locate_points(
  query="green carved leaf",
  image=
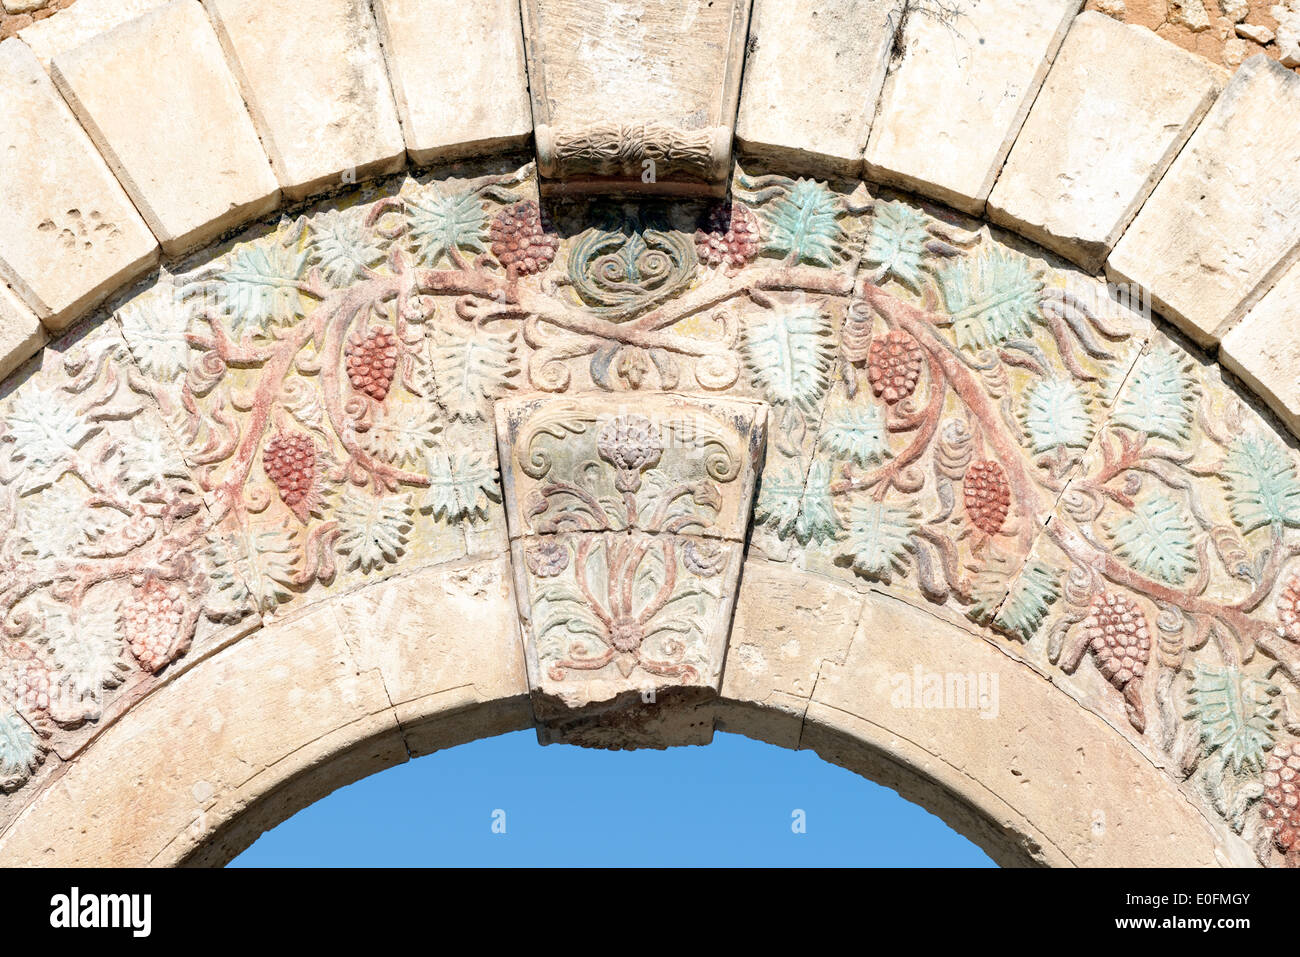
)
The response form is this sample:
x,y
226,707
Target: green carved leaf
x,y
1156,540
46,432
1158,400
260,285
793,508
897,243
20,750
1032,594
1236,713
252,567
1055,414
461,484
879,539
991,298
471,369
857,434
1261,484
343,247
801,225
154,329
441,225
788,351
373,530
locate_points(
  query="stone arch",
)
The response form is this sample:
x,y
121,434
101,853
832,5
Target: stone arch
x,y
274,516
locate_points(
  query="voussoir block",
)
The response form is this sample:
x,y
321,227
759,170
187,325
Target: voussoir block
x,y
473,97
69,235
1117,106
1264,349
313,75
158,100
1225,221
953,105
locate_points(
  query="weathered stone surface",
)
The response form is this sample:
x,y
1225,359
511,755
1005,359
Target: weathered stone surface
x,y
1097,141
1225,220
314,78
787,623
203,747
68,233
443,633
812,80
662,126
940,130
21,333
159,102
469,99
993,748
1264,349
84,20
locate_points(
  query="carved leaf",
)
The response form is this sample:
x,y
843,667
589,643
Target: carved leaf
x,y
792,508
991,298
802,225
1156,539
20,750
343,247
401,437
1158,399
471,369
260,285
1031,596
1055,415
879,539
1261,484
857,434
373,529
85,646
443,225
1236,714
788,351
251,568
154,329
47,433
461,484
897,243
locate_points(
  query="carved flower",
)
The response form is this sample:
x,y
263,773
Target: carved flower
x,y
631,444
705,559
547,559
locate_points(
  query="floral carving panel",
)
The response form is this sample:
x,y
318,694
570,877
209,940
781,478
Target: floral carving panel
x,y
627,521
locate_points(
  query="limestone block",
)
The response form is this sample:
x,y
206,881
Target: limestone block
x,y
21,333
786,624
445,639
1264,349
159,102
68,233
946,718
812,80
1225,220
1117,106
470,99
953,105
276,710
314,78
80,22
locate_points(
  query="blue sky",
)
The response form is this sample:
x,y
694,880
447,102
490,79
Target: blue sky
x,y
731,803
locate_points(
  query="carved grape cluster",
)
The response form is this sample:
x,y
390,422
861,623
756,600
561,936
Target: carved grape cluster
x,y
730,236
152,619
523,240
290,462
372,361
1288,610
1281,806
1120,640
27,682
987,496
894,366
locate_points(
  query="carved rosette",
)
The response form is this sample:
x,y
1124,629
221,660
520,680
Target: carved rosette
x,y
627,523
